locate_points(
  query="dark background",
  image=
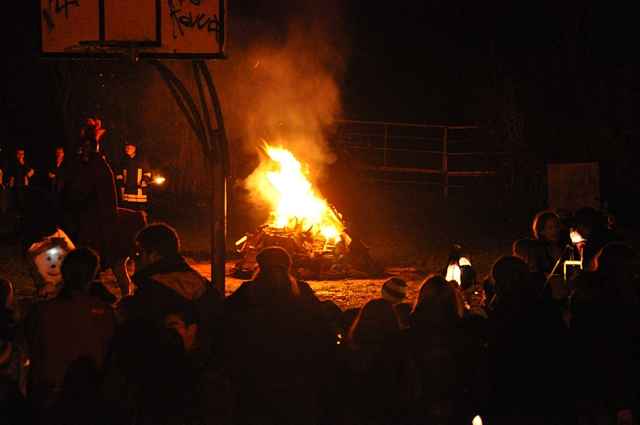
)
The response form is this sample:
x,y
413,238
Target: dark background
x,y
566,72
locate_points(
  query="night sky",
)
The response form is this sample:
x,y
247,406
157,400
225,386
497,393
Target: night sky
x,y
568,69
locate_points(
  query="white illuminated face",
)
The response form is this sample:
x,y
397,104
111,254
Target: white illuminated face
x,y
130,150
48,264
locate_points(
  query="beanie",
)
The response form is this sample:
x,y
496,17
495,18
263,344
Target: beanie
x,y
394,290
273,256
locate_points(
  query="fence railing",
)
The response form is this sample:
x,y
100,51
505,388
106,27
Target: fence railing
x,y
421,149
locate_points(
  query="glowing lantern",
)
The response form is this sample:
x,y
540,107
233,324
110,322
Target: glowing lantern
x,y
454,271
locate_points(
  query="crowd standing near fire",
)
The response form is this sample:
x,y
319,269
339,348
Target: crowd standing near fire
x,y
529,344
172,350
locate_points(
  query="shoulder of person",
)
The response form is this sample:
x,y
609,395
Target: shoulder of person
x,y
240,294
98,306
306,289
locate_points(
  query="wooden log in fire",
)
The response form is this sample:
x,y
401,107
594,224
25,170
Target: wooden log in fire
x,y
313,258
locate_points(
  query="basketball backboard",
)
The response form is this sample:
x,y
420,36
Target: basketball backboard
x,y
153,28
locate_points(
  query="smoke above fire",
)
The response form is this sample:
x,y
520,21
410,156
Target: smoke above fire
x,y
283,87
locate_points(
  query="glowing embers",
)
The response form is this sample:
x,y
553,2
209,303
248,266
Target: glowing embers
x,y
301,221
296,206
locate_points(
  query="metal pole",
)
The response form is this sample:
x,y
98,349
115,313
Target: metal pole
x,y
386,145
218,223
215,149
218,188
219,174
445,163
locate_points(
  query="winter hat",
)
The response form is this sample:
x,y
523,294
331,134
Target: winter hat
x,y
273,256
394,290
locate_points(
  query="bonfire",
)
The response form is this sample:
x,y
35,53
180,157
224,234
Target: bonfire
x,y
301,221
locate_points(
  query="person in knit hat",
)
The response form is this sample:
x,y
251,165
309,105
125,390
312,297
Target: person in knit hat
x,y
272,283
279,345
394,290
274,257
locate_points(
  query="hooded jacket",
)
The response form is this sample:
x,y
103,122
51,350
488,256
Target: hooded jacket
x,y
167,284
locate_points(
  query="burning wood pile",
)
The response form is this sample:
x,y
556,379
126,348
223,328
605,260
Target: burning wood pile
x,y
303,223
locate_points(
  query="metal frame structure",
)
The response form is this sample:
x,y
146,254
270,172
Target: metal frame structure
x,y
216,152
212,139
379,137
111,49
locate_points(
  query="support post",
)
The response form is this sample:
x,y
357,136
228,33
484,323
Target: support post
x,y
220,172
218,223
445,163
215,149
386,145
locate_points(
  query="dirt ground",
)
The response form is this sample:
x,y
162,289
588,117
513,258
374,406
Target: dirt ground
x,y
410,247
346,293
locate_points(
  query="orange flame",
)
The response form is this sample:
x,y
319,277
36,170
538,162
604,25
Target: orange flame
x,y
283,183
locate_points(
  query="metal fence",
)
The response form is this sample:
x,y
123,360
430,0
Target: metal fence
x,y
439,152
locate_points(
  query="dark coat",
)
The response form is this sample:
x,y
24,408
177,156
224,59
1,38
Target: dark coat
x,y
377,381
165,286
279,352
19,173
65,330
56,183
147,378
90,205
527,361
451,367
604,329
595,242
128,170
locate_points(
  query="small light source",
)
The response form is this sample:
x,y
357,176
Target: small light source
x,y
575,236
569,267
54,251
241,240
453,270
159,180
477,420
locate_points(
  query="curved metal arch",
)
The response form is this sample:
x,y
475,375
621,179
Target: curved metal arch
x,y
214,146
185,103
215,101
